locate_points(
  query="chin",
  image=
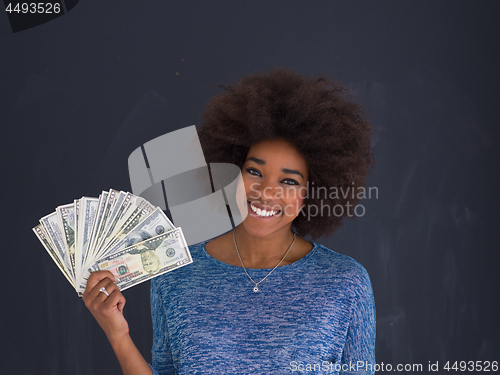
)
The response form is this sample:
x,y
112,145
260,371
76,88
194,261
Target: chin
x,y
261,230
257,231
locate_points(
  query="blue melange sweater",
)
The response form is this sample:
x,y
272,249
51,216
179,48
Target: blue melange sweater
x,y
313,316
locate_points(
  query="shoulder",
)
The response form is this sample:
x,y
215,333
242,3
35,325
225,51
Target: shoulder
x,y
353,279
189,273
341,266
197,248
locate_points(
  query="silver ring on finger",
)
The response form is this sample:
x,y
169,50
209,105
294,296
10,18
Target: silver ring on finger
x,y
103,290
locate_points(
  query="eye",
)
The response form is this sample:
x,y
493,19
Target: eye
x,y
253,171
292,182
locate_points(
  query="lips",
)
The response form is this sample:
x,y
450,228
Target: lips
x,y
263,211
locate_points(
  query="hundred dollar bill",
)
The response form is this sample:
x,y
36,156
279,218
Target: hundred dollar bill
x,y
110,220
87,257
66,218
88,213
154,224
79,222
97,236
147,259
78,225
120,210
76,205
95,226
142,209
49,246
51,225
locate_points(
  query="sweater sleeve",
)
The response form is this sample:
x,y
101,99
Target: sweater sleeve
x,y
358,356
161,353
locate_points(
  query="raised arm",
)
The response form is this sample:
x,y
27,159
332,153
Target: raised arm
x,y
108,311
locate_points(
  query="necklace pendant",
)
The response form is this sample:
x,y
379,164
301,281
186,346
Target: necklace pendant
x,y
255,288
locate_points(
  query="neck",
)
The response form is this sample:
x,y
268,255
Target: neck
x,y
263,252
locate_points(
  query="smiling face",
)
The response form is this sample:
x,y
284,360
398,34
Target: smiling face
x,y
275,178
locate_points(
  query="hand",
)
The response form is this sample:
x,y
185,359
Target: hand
x,y
108,311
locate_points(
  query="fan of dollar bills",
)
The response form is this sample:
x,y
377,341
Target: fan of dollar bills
x,y
119,232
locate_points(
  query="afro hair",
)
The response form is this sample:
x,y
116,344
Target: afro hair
x,y
316,115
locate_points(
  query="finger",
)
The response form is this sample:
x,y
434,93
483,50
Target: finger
x,y
108,285
96,295
115,300
121,303
97,276
94,279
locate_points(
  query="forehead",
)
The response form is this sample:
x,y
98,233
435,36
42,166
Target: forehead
x,y
279,151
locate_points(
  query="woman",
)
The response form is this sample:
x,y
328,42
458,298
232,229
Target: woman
x,y
261,299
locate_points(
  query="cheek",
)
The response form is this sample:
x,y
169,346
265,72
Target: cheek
x,y
298,205
293,204
251,189
294,197
300,202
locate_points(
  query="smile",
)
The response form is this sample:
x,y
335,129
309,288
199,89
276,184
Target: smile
x,y
264,213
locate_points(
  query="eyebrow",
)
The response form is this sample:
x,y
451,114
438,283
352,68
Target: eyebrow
x,y
285,170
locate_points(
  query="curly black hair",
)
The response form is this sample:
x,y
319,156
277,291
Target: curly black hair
x,y
331,132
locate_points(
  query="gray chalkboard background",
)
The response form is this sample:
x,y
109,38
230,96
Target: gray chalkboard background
x,y
79,93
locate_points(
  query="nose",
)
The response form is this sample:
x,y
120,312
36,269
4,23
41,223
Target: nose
x,y
267,191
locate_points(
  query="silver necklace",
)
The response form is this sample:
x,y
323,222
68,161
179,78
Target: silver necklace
x,y
256,287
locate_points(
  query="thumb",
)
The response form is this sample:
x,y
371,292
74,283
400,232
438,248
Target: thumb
x,y
121,304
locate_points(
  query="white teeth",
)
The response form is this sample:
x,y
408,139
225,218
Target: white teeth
x,y
263,213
